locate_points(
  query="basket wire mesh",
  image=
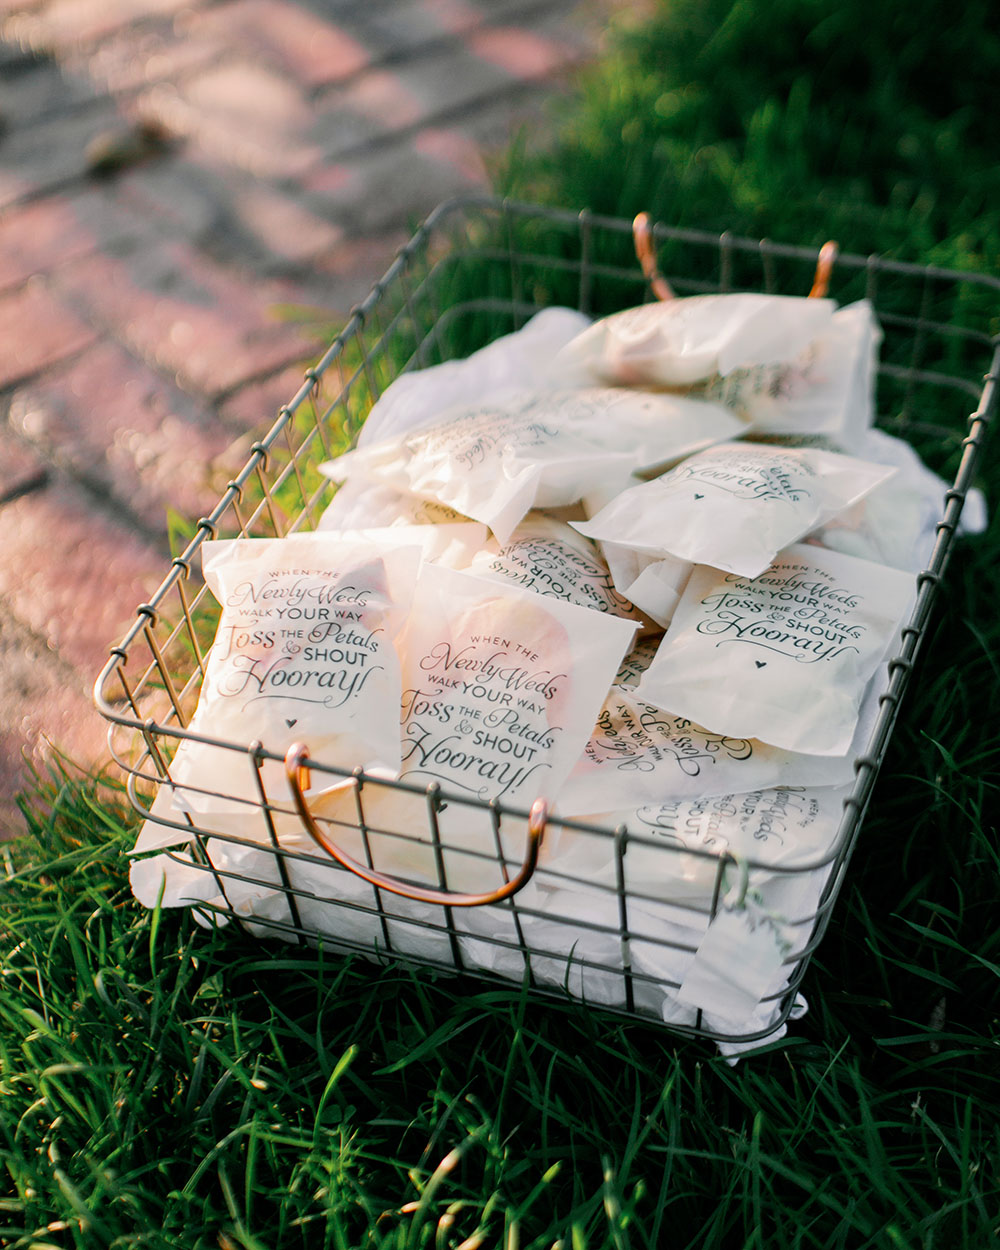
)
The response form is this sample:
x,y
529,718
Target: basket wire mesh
x,y
476,269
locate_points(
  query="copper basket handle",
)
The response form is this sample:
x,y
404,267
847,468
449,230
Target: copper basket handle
x,y
297,770
642,236
824,267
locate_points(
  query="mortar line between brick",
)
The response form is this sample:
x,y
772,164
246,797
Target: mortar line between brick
x,y
126,96
423,49
28,486
67,672
413,54
217,398
109,330
103,503
8,389
98,494
49,191
112,506
403,134
60,112
27,8
78,44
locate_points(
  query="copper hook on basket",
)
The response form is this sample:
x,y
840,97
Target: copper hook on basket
x,y
642,234
297,771
824,267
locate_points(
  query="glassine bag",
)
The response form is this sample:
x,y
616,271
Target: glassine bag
x,y
735,506
531,449
303,652
784,657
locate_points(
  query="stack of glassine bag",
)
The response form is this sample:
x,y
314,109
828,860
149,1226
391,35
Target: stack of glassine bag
x,y
648,569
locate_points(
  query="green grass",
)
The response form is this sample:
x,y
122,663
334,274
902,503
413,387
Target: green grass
x,y
801,120
162,1085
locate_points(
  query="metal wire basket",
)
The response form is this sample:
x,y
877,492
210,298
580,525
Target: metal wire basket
x,y
476,269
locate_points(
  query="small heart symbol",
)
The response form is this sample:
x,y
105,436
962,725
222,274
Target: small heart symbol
x,y
699,496
760,663
290,723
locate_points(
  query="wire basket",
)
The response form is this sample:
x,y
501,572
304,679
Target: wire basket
x,y
477,269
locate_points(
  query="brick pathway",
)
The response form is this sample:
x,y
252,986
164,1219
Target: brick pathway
x,y
260,152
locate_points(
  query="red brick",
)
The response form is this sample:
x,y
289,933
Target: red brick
x,y
46,715
62,24
36,86
72,575
186,314
454,16
254,408
38,237
20,468
382,95
330,179
42,157
15,185
178,196
460,17
402,180
387,100
134,57
547,34
524,54
283,227
115,223
111,419
402,30
447,145
352,269
453,83
242,115
394,184
365,258
492,127
36,330
297,43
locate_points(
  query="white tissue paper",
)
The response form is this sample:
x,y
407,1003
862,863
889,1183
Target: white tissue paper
x,y
648,903
656,582
896,524
653,584
277,893
638,752
672,853
784,364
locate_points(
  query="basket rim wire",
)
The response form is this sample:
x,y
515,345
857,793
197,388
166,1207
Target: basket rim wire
x,y
122,711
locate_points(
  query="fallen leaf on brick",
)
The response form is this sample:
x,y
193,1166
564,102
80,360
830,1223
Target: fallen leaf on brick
x,y
121,147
